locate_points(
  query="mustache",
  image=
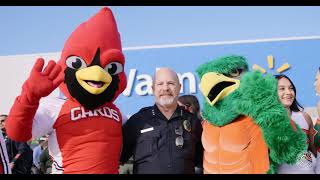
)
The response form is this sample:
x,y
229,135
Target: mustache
x,y
163,94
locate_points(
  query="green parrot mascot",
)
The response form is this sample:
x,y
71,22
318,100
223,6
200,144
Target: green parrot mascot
x,y
246,128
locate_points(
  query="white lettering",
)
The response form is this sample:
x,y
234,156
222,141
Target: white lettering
x,y
96,111
85,114
147,83
192,82
143,83
115,115
73,111
132,75
80,113
107,112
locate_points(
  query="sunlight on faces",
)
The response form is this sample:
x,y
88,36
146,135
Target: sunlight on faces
x,y
317,83
285,92
166,87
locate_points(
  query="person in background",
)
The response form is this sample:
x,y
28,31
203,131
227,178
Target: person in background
x,y
43,143
20,157
164,138
3,118
126,168
45,161
191,104
287,95
4,159
20,154
317,125
317,89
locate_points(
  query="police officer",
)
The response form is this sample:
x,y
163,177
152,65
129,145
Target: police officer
x,y
164,138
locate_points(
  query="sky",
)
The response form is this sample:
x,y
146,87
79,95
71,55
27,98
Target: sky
x,y
44,29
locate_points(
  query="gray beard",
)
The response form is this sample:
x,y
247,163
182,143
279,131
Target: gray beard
x,y
165,101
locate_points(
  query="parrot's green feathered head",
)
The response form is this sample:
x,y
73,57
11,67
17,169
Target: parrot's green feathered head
x,y
227,65
219,79
226,84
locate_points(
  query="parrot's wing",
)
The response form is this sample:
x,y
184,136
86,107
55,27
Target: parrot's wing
x,y
259,100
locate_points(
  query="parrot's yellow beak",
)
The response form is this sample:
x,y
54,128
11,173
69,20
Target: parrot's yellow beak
x,y
215,86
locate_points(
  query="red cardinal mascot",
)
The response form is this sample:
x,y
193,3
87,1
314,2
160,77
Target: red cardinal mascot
x,y
85,130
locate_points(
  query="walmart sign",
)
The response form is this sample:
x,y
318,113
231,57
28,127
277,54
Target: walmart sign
x,y
296,58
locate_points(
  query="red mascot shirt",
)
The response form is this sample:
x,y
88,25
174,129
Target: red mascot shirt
x,y
92,137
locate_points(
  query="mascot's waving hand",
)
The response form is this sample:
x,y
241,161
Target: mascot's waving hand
x,y
85,130
247,130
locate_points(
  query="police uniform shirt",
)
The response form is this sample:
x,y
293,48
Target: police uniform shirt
x,y
151,139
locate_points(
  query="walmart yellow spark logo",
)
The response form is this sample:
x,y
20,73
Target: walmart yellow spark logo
x,y
270,60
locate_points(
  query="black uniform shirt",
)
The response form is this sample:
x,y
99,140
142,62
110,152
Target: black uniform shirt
x,y
151,139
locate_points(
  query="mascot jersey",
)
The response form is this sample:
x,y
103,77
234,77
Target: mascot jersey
x,y
85,130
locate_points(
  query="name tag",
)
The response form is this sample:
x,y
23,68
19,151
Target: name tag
x,y
146,130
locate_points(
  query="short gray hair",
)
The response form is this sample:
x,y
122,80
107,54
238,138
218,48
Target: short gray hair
x,y
167,68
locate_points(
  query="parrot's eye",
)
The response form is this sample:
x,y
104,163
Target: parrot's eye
x,y
114,68
235,72
75,62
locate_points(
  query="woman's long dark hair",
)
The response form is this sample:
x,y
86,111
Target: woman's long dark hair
x,y
295,106
191,101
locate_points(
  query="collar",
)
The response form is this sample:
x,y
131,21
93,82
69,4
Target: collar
x,y
156,112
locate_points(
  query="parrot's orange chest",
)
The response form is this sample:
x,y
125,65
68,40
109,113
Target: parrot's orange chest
x,y
238,147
